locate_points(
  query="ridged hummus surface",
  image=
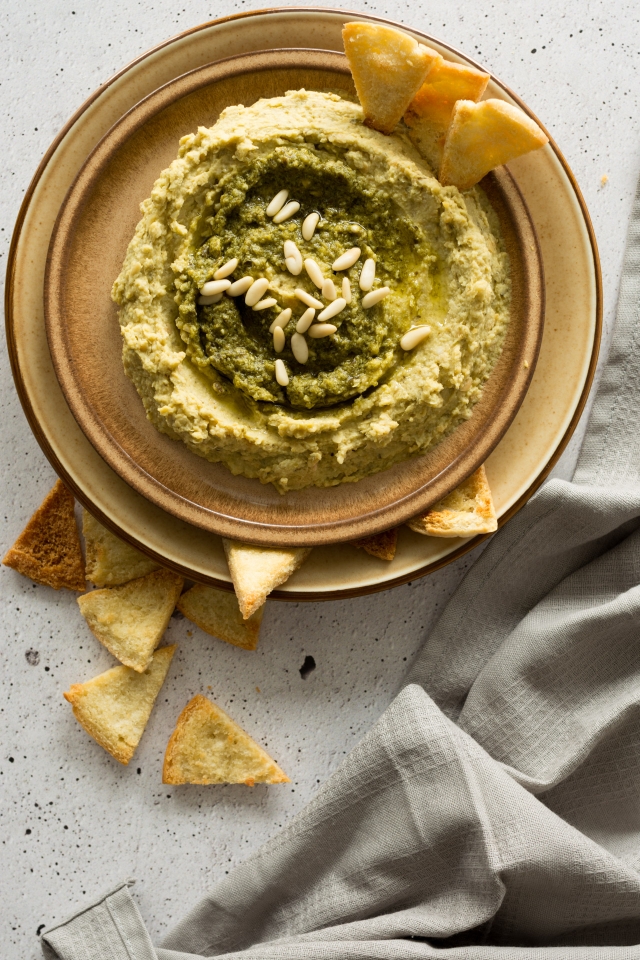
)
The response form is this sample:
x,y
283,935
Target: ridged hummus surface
x,y
364,403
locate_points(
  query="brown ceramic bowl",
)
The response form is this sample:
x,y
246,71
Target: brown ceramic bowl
x,y
87,248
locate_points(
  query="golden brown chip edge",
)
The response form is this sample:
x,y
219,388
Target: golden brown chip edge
x,y
73,696
34,558
252,623
197,703
381,545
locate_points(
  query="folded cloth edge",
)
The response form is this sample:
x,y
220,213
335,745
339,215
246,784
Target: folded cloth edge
x,y
109,926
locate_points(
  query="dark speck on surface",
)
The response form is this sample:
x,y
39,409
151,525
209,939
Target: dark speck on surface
x,y
32,657
307,667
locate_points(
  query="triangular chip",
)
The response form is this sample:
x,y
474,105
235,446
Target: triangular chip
x,y
114,708
208,747
388,68
130,620
109,560
256,571
466,512
217,613
483,136
381,545
48,549
429,113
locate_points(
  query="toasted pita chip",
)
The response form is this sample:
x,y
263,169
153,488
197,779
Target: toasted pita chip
x,y
483,136
381,545
466,512
109,560
388,68
130,620
208,747
429,113
256,571
114,708
217,613
48,549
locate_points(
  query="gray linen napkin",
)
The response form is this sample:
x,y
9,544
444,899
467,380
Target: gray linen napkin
x,y
494,809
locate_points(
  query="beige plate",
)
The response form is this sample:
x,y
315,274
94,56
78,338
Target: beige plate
x,y
88,245
518,464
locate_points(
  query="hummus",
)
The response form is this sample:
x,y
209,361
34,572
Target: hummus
x,y
206,371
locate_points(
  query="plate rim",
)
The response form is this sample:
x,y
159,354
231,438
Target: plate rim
x,y
43,442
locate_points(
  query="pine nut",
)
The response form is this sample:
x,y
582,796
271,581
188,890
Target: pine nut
x,y
281,373
255,291
211,287
205,301
265,304
292,258
309,226
299,348
305,320
287,212
346,290
226,269
333,309
314,271
308,299
322,330
347,259
277,203
367,274
291,253
294,266
278,339
281,320
329,291
414,336
238,287
375,296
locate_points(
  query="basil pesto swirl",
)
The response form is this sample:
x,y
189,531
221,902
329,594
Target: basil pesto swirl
x,y
236,341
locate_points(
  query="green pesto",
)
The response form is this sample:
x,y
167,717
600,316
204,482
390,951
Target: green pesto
x,y
235,341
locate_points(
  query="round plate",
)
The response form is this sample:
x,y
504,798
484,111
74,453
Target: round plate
x,y
517,466
89,242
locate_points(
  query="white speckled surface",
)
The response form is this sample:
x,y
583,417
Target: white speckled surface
x,y
72,821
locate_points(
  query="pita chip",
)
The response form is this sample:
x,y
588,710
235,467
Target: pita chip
x,y
218,614
430,111
381,545
208,747
483,136
114,707
109,560
466,512
256,571
388,68
131,619
48,549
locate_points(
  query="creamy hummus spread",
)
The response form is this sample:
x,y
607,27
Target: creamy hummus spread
x,y
316,407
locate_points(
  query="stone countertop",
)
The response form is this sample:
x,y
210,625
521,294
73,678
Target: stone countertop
x,y
72,821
